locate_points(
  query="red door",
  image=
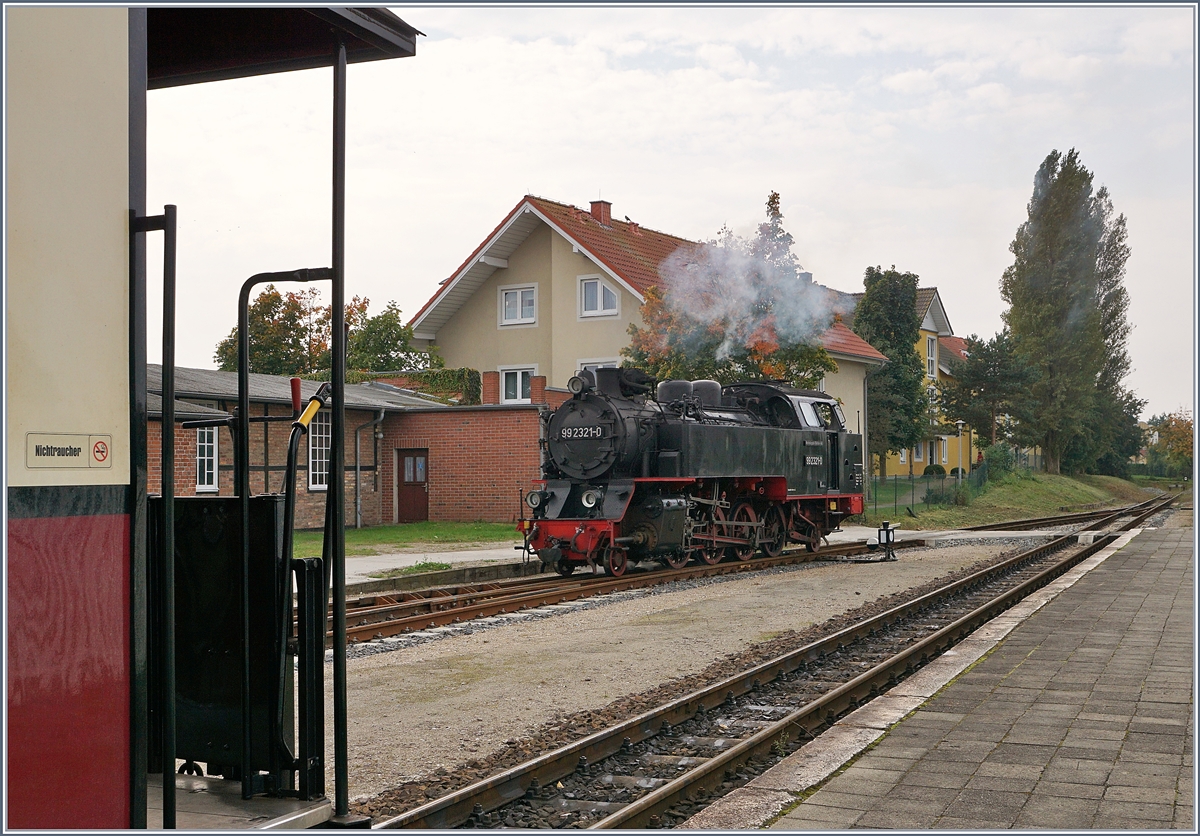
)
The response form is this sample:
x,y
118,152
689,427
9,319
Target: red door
x,y
412,486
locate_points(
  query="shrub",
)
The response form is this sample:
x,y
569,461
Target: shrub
x,y
1000,459
934,470
957,471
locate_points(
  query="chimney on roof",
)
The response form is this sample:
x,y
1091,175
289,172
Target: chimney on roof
x,y
602,212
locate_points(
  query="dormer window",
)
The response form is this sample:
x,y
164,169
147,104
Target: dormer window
x,y
518,305
597,298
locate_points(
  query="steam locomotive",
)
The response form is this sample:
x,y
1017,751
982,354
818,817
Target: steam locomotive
x,y
688,470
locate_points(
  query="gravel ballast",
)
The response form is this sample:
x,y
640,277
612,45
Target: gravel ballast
x,y
431,709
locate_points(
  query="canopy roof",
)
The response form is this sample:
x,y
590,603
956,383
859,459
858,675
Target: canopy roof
x,y
191,45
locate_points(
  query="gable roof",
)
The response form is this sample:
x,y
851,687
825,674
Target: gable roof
x,y
929,304
625,251
840,341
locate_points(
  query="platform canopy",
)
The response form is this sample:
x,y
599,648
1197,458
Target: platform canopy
x,y
192,45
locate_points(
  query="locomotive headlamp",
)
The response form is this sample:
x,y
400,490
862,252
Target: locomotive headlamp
x,y
535,499
590,498
575,385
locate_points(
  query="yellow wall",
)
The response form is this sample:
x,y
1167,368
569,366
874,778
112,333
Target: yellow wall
x,y
847,387
969,451
473,337
67,226
578,337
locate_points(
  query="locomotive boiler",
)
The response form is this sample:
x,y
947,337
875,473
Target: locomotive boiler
x,y
688,470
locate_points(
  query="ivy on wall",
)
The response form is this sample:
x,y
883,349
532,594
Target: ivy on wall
x,y
460,386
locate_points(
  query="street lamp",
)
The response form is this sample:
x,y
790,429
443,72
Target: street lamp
x,y
959,423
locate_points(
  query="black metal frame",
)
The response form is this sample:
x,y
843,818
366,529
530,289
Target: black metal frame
x,y
166,223
333,570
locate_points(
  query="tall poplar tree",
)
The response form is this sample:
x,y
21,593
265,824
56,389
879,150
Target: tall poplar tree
x,y
1066,314
897,407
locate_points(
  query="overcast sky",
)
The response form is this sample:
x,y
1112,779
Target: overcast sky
x,y
905,136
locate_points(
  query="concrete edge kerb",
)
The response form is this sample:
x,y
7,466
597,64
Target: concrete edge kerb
x,y
762,799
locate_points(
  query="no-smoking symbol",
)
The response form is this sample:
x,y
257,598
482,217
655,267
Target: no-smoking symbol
x,y
100,451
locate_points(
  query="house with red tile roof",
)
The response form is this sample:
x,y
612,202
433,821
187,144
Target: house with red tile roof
x,y
554,288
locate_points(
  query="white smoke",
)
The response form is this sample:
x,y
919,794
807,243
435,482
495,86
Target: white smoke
x,y
725,284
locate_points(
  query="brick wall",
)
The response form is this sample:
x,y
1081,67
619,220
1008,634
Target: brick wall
x,y
272,437
481,460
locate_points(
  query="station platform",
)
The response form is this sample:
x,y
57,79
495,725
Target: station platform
x,y
1073,710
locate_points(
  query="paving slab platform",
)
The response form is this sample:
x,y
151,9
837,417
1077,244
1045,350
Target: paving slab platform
x,y
1073,710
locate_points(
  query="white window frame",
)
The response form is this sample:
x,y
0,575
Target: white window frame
x,y
601,286
598,363
320,438
206,437
523,367
919,452
945,445
519,321
904,456
931,357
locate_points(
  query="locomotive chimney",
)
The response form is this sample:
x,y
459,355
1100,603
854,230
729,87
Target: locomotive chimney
x,y
602,212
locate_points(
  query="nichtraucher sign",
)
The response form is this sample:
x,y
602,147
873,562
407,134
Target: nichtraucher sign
x,y
67,450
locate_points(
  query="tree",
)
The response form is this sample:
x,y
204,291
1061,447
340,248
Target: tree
x,y
285,334
1066,313
886,317
290,335
1170,451
384,343
989,384
734,309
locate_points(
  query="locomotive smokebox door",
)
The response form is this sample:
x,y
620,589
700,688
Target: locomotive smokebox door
x,y
209,633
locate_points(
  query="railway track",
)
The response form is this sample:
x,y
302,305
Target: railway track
x,y
660,767
380,616
377,616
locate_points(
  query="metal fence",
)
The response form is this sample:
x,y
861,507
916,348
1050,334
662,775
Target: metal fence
x,y
920,493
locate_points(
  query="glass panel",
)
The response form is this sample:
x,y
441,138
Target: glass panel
x,y
810,417
318,450
525,380
408,468
420,469
610,300
589,296
510,386
526,304
510,305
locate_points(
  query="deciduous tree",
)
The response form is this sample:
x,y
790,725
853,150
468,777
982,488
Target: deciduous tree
x,y
290,335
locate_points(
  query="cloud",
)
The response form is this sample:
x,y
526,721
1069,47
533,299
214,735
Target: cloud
x,y
895,135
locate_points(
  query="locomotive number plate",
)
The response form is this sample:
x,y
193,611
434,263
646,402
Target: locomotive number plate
x,y
582,432
813,460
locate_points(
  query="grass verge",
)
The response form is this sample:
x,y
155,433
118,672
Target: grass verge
x,y
415,569
1016,496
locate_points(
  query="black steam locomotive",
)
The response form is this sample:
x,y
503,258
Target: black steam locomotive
x,y
688,469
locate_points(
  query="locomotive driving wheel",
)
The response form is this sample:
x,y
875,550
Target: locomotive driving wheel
x,y
775,531
616,561
742,528
676,560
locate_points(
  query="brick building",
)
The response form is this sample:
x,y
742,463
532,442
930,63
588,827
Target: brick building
x,y
420,460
